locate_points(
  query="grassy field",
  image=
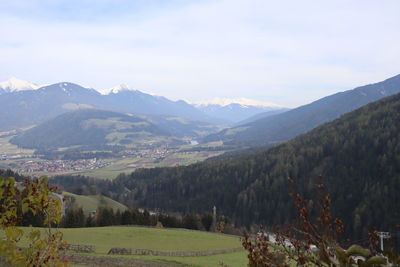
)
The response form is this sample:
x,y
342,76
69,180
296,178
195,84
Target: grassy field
x,y
90,203
7,148
117,166
105,238
130,164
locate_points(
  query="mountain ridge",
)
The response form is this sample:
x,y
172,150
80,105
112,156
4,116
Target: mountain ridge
x,y
284,126
15,85
86,127
94,128
124,98
240,101
29,107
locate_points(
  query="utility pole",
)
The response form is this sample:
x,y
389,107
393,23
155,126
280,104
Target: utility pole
x,y
214,221
383,235
215,215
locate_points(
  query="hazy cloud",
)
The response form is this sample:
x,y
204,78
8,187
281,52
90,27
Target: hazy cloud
x,y
289,52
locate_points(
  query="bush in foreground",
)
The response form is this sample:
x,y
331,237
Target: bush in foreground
x,y
18,199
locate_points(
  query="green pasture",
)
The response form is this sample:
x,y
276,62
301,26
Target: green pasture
x,y
90,203
182,158
9,149
130,164
105,238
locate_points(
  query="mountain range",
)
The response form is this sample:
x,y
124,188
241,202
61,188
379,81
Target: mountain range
x,y
25,104
14,85
270,124
281,127
237,110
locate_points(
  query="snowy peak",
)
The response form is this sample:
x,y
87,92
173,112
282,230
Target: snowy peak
x,y
245,102
126,88
235,110
14,85
117,89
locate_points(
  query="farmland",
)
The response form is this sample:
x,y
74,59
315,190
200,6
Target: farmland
x,y
26,162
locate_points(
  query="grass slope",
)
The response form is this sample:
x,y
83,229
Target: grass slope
x,y
105,238
90,203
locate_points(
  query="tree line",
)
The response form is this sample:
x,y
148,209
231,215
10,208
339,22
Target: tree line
x,y
76,218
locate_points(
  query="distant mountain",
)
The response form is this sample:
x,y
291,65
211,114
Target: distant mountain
x,y
24,104
261,115
357,155
284,126
30,107
241,101
15,85
179,127
97,128
235,110
89,127
124,98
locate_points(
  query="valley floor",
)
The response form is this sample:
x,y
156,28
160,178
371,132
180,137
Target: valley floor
x,y
24,161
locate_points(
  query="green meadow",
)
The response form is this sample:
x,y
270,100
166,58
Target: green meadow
x,y
105,238
90,203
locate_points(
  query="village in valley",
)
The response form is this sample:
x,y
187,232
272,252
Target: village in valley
x,y
61,165
30,163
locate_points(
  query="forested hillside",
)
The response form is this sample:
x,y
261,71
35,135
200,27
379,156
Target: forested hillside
x,y
358,155
89,127
96,128
285,126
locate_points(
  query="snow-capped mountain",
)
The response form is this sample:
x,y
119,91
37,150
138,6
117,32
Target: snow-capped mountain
x,y
29,107
240,101
123,87
128,99
37,103
117,89
25,104
15,85
267,130
235,110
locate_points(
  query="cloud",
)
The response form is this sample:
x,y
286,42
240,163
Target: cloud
x,y
290,52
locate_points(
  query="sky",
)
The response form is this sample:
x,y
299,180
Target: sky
x,y
284,52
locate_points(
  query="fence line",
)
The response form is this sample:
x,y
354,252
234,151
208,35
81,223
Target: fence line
x,y
136,251
80,248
